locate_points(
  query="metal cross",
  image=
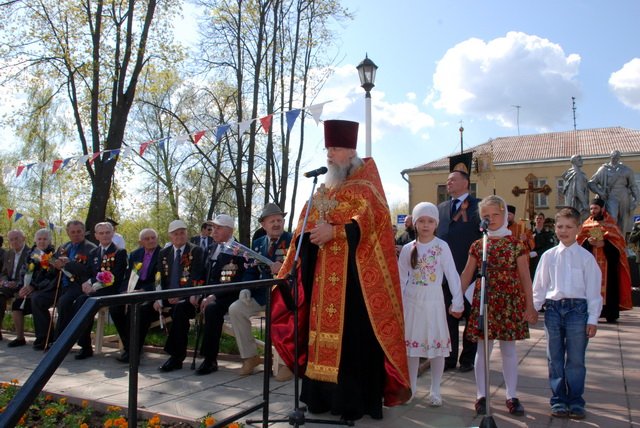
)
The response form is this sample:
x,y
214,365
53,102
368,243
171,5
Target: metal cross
x,y
323,203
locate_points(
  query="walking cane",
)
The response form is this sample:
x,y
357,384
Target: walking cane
x,y
55,304
199,320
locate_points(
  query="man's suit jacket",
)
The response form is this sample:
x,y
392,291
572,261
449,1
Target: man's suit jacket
x,y
196,241
8,273
218,269
137,256
191,266
78,267
459,235
114,260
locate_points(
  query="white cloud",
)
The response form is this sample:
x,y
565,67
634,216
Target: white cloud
x,y
625,84
347,102
487,79
411,96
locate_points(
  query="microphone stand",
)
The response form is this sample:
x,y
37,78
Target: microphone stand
x,y
297,416
483,321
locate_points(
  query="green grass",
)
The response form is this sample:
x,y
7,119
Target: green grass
x,y
155,336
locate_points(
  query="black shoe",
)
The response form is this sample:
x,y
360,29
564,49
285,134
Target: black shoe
x,y
514,407
207,367
448,367
481,406
170,365
84,354
124,357
16,342
465,367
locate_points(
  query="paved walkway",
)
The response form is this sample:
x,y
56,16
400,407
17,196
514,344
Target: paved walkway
x,y
612,390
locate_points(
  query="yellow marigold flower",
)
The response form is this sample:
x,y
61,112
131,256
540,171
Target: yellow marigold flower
x,y
15,381
210,421
85,404
113,409
50,411
63,400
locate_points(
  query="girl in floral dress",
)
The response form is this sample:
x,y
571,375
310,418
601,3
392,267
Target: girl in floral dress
x,y
423,263
510,300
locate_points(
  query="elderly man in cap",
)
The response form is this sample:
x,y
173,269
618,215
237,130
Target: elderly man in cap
x,y
600,235
274,246
180,265
222,267
350,322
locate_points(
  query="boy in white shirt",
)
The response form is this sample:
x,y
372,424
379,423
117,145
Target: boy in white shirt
x,y
567,284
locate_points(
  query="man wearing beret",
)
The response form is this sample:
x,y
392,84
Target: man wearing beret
x,y
600,235
350,302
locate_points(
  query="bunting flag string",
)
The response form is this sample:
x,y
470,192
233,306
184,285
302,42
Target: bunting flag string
x,y
107,155
16,215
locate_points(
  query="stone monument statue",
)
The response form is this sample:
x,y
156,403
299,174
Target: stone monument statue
x,y
575,187
615,183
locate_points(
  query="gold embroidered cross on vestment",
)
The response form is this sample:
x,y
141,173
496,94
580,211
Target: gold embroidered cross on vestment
x,y
323,203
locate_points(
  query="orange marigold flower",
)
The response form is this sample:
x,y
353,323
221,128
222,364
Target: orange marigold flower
x,y
63,400
108,423
233,425
155,420
210,421
84,425
85,404
50,411
48,397
2,409
15,381
120,422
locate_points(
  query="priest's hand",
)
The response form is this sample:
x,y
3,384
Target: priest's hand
x,y
321,234
598,243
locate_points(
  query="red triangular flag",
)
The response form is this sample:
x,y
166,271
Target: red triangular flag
x,y
56,165
143,147
197,136
19,171
266,123
9,213
93,157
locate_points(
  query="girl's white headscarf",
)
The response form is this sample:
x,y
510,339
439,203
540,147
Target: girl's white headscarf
x,y
503,230
425,209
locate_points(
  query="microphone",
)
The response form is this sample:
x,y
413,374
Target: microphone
x,y
316,172
484,225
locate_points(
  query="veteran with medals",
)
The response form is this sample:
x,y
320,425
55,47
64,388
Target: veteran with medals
x,y
600,235
351,328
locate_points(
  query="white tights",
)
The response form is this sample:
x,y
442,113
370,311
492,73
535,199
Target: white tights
x,y
509,367
436,369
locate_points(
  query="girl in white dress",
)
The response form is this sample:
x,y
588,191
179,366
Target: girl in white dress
x,y
423,263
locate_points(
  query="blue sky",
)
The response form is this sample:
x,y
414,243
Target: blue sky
x,y
445,62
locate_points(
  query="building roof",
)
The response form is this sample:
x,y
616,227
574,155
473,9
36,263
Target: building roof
x,y
589,143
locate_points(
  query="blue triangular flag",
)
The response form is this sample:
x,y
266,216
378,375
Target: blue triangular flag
x,y
16,217
292,116
220,131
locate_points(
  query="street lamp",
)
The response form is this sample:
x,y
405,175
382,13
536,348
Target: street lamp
x,y
367,72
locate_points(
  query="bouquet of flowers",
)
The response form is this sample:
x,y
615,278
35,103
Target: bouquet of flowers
x,y
104,279
28,276
159,288
234,247
135,275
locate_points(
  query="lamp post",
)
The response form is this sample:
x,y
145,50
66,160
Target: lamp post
x,y
367,72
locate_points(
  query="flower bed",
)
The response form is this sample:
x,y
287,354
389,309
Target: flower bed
x,y
49,412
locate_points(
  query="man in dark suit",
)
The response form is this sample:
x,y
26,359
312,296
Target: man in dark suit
x,y
13,269
204,240
458,226
180,265
222,268
106,257
72,263
143,265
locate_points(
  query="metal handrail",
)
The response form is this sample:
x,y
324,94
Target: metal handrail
x,y
27,394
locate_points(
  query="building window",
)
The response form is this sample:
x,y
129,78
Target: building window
x,y
443,196
561,201
540,200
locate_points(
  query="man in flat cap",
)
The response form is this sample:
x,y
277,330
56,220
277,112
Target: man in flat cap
x,y
600,235
351,324
180,265
274,246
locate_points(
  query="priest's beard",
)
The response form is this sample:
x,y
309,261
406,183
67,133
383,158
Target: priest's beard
x,y
598,217
337,173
